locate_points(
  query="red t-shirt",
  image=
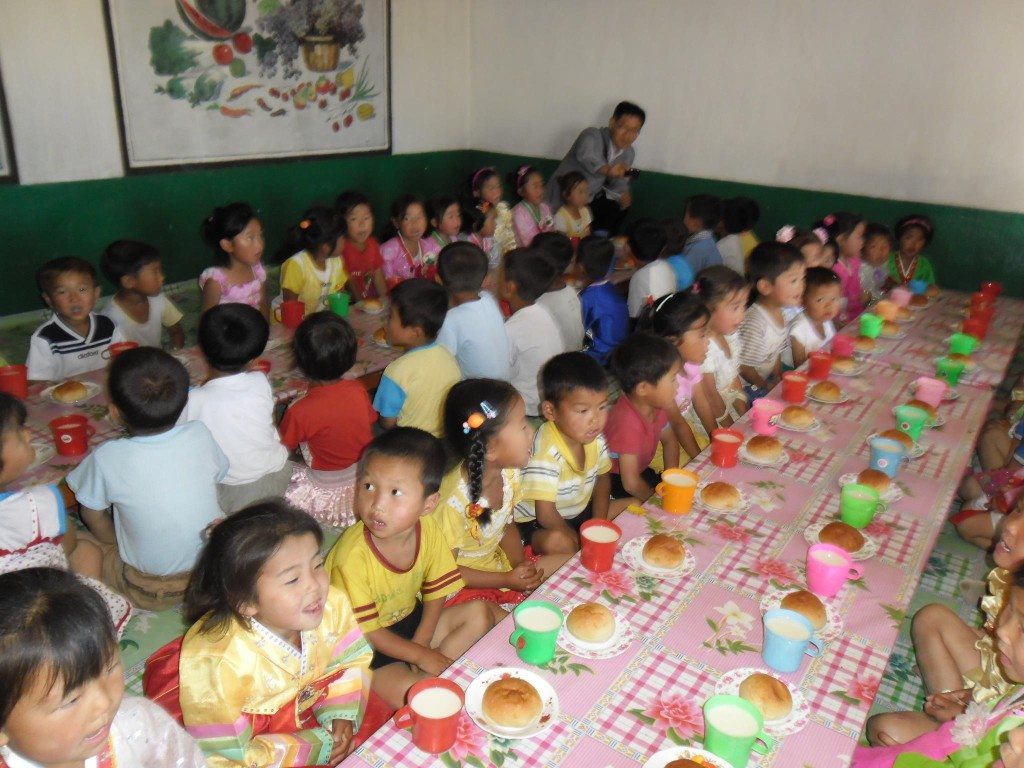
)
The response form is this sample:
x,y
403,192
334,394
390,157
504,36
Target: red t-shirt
x,y
361,265
628,432
333,420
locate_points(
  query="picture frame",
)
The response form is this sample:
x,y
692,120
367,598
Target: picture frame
x,y
8,163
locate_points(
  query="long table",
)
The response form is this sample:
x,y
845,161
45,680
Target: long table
x,y
689,633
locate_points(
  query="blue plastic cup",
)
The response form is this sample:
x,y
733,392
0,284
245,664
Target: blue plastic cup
x,y
788,637
886,455
918,286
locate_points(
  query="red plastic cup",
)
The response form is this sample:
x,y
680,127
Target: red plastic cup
x,y
794,387
262,364
979,299
991,289
14,380
575,243
290,313
842,345
819,365
972,326
433,712
599,540
122,346
725,447
985,314
71,434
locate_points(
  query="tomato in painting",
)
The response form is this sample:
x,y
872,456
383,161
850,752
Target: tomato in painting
x,y
242,42
222,54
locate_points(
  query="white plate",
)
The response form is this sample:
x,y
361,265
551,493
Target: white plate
x,y
951,394
843,398
698,498
633,554
833,620
365,311
794,722
891,495
915,453
475,698
812,428
858,369
746,458
621,639
904,320
666,756
91,390
869,550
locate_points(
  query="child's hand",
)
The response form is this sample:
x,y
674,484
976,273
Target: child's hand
x,y
433,662
341,732
1012,752
525,577
945,706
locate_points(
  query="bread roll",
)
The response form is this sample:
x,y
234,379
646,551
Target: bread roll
x,y
918,300
827,391
844,364
956,357
591,623
371,305
71,391
764,448
931,291
720,495
889,328
903,314
807,605
512,703
864,344
876,479
683,762
769,695
664,551
380,336
843,536
930,410
797,416
900,437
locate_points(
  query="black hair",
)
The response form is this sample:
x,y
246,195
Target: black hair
x,y
519,177
54,626
420,303
736,215
707,209
473,219
399,207
410,445
839,224
530,270
1018,578
324,346
874,229
47,274
675,235
231,335
646,239
567,183
347,201
318,227
12,417
715,283
149,388
768,261
802,237
124,258
596,255
225,223
438,205
478,178
753,210
673,315
557,247
467,402
629,108
919,220
570,371
643,357
229,565
462,267
816,277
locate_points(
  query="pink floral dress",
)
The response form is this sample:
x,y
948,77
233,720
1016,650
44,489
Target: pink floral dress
x,y
250,293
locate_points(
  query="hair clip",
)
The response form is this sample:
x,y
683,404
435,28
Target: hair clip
x,y
822,234
829,220
479,171
476,419
785,234
916,221
522,172
695,289
304,224
474,510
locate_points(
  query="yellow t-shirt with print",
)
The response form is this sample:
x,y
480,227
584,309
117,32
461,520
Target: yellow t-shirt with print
x,y
300,276
476,545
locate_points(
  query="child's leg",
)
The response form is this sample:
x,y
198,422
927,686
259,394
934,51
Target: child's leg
x,y
86,559
993,450
392,681
554,541
551,563
976,529
893,728
460,626
944,645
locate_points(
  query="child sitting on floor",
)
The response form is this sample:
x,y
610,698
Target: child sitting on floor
x,y
724,292
397,568
445,221
602,305
573,219
62,697
485,195
313,269
561,298
414,386
148,498
566,482
814,328
531,215
332,423
646,240
811,244
236,237
913,234
360,252
139,308
407,254
75,340
646,367
237,405
274,666
734,222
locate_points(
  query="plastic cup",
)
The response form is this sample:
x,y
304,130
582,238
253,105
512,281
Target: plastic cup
x,y
870,325
962,344
599,539
262,364
290,313
537,625
858,505
828,569
122,346
676,489
764,415
338,303
929,390
991,289
433,713
71,434
984,314
949,370
725,447
788,637
976,327
918,287
886,309
911,420
886,455
794,387
733,727
819,365
843,345
900,296
14,380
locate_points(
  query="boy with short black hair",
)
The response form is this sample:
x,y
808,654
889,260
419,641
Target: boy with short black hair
x,y
533,336
566,482
473,329
561,299
604,310
412,390
138,307
237,405
646,240
703,213
75,340
148,498
397,568
646,367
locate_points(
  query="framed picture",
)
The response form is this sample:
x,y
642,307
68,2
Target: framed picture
x,y
8,169
229,81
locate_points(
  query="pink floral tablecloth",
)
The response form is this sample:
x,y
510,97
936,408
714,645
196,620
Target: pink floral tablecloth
x,y
286,381
690,631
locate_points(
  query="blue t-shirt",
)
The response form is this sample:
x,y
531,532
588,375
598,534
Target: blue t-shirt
x,y
605,320
1018,434
684,274
475,333
701,251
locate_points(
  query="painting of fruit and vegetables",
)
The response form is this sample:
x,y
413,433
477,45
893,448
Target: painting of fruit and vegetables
x,y
206,81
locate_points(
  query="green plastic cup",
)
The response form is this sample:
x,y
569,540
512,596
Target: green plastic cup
x,y
962,344
858,505
949,371
537,625
733,727
338,302
910,420
870,325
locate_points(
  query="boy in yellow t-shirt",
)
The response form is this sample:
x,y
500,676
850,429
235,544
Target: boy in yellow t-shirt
x,y
397,567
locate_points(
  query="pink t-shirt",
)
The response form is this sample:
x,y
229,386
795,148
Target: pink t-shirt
x,y
628,432
849,276
246,293
528,222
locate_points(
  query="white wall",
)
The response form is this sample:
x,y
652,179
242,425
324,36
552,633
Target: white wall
x,y
916,99
60,93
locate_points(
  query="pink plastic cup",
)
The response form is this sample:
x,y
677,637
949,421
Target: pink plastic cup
x,y
842,345
764,415
900,296
930,390
829,568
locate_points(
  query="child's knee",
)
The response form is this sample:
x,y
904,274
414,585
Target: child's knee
x,y
556,542
929,621
878,728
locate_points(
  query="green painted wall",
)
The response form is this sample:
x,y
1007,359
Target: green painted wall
x,y
38,222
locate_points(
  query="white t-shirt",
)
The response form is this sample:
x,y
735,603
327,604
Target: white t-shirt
x,y
564,306
162,314
762,340
725,367
533,339
475,333
239,412
803,331
656,279
731,248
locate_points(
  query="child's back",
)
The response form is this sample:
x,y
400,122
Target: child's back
x,y
602,305
656,278
561,299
